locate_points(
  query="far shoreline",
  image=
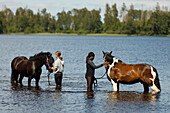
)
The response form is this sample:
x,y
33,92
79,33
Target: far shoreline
x,y
90,34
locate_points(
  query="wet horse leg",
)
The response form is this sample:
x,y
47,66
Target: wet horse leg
x,y
37,81
146,87
20,79
115,85
29,81
14,76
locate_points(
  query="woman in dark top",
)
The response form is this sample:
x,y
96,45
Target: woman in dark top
x,y
91,70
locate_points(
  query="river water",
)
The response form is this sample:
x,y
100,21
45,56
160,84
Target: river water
x,y
73,97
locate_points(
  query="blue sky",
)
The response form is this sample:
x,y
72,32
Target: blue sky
x,y
55,6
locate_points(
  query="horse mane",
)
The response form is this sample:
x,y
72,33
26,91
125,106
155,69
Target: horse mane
x,y
120,61
40,55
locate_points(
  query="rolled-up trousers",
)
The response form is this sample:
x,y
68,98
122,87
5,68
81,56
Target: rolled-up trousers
x,y
90,81
58,78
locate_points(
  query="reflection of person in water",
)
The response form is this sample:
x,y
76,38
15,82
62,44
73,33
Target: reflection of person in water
x,y
91,70
90,95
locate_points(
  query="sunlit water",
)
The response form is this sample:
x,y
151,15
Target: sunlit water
x,y
73,96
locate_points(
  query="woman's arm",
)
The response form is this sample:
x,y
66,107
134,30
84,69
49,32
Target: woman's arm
x,y
93,65
55,66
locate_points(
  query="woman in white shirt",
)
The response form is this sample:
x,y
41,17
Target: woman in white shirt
x,y
58,68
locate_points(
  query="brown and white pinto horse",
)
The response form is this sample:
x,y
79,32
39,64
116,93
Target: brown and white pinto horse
x,y
30,68
119,72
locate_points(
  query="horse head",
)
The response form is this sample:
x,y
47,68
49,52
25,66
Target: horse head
x,y
107,58
44,58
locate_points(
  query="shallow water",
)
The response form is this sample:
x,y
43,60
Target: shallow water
x,y
73,96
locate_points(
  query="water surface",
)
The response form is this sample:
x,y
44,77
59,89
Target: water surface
x,y
73,96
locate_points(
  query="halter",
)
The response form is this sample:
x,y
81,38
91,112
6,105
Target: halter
x,y
47,63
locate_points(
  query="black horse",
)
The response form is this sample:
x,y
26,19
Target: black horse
x,y
31,67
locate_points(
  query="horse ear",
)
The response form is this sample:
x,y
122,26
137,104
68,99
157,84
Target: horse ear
x,y
103,52
110,53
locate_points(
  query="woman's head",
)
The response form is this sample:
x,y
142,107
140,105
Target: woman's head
x,y
57,53
91,55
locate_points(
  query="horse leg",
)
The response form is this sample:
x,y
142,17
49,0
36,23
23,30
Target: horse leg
x,y
115,85
29,81
20,79
146,87
14,76
37,81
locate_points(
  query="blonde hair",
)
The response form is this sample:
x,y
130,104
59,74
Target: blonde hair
x,y
58,53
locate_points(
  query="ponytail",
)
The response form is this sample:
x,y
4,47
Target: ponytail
x,y
87,58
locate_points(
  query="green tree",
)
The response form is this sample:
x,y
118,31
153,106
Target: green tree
x,y
20,21
96,24
52,25
123,11
129,25
8,20
64,21
107,19
159,22
2,16
44,19
116,22
111,21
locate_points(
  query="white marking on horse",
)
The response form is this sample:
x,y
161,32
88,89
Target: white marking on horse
x,y
114,85
115,60
33,67
153,87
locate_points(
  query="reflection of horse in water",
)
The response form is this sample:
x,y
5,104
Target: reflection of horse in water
x,y
119,72
30,68
131,96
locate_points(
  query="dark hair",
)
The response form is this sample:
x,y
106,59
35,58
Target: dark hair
x,y
89,55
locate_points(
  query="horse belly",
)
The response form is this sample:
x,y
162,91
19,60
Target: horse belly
x,y
21,68
129,77
25,69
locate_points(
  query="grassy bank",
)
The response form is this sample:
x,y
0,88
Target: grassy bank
x,y
91,34
94,34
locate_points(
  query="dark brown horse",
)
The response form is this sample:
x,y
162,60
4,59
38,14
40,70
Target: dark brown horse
x,y
30,68
119,72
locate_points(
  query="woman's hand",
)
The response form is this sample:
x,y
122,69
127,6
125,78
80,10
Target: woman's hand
x,y
105,63
53,68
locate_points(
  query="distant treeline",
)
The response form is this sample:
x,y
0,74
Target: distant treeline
x,y
82,21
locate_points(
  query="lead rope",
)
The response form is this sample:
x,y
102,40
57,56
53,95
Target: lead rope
x,y
47,63
49,78
95,79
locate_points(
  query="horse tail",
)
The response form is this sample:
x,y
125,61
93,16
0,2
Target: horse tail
x,y
12,71
156,84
